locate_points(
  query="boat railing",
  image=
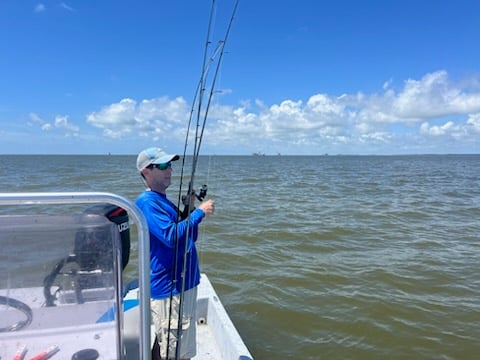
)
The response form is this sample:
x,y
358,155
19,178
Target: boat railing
x,y
92,286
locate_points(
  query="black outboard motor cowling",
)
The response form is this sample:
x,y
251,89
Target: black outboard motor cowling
x,y
116,215
92,254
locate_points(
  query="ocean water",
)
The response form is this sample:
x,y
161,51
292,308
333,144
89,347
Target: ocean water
x,y
322,257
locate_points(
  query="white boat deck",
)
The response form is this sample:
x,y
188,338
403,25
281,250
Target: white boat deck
x,y
217,337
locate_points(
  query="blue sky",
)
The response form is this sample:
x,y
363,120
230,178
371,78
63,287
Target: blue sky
x,y
298,76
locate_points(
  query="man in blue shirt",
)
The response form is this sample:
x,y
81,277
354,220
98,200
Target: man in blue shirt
x,y
168,244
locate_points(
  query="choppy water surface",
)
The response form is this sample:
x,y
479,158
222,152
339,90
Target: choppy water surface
x,y
331,257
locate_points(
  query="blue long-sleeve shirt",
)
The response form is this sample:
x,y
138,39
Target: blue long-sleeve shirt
x,y
164,227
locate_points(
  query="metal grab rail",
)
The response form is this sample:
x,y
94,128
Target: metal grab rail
x,y
41,198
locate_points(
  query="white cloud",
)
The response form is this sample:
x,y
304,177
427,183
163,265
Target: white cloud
x,y
66,7
376,137
39,8
437,130
474,123
35,118
60,122
429,108
156,118
434,96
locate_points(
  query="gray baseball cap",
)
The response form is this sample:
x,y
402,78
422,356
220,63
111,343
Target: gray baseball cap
x,y
154,155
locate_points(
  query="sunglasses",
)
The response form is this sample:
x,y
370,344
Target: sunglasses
x,y
163,166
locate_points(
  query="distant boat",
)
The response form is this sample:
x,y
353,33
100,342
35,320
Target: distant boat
x,y
258,154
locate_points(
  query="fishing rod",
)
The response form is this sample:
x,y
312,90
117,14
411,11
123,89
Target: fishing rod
x,y
205,68
214,80
199,95
199,132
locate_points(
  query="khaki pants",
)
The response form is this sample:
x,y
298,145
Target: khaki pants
x,y
160,315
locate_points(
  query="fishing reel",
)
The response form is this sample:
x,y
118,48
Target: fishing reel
x,y
189,207
200,195
203,192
